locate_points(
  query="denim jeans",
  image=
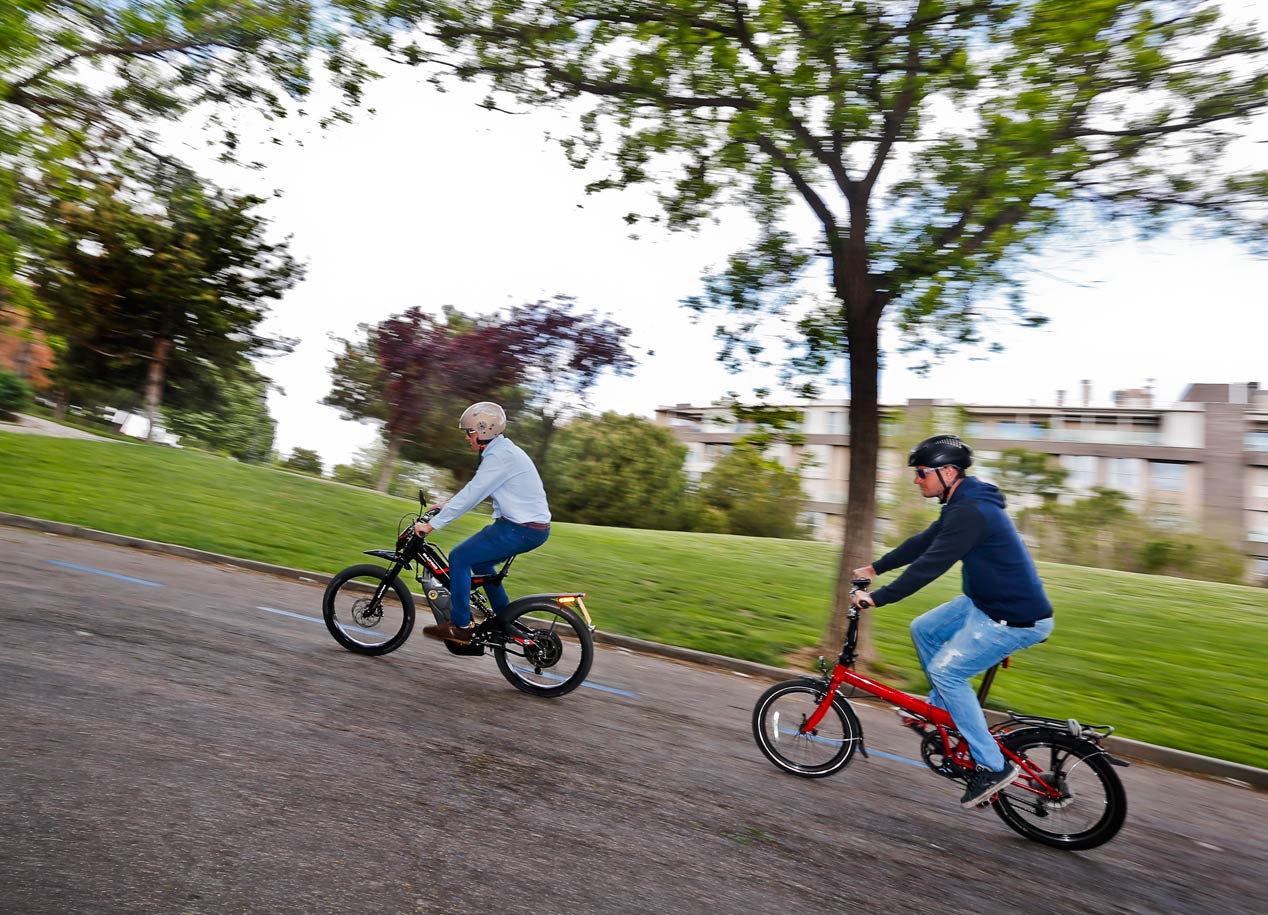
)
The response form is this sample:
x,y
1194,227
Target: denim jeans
x,y
480,553
956,642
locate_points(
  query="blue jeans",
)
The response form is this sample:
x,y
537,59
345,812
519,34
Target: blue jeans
x,y
480,554
956,642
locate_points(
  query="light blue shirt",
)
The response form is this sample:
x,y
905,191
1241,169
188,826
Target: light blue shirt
x,y
507,475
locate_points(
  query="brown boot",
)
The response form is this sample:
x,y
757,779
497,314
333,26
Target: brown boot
x,y
448,632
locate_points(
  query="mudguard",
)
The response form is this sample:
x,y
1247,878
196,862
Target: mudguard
x,y
563,599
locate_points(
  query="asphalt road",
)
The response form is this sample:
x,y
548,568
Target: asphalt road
x,y
177,737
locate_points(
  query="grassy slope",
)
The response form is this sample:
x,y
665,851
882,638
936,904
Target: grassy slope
x,y
1167,661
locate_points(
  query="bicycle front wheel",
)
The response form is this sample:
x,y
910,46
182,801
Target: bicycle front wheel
x,y
778,725
366,612
1076,800
546,649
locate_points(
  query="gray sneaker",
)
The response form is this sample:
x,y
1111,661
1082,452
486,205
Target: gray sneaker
x,y
985,782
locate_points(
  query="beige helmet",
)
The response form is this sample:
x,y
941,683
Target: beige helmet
x,y
485,418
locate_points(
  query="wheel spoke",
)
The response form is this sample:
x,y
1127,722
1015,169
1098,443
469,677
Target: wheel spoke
x,y
366,613
815,753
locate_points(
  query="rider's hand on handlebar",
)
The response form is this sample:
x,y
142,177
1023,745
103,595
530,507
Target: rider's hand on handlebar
x,y
862,599
866,572
422,528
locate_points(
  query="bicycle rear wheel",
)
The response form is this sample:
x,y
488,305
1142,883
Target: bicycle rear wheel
x,y
365,612
546,650
1076,802
778,718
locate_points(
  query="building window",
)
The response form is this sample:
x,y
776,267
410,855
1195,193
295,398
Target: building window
x,y
1125,474
1167,477
1257,441
836,422
1082,469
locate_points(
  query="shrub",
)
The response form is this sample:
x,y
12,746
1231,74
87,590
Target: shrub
x,y
14,394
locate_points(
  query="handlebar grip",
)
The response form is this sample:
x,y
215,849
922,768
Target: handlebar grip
x,y
860,584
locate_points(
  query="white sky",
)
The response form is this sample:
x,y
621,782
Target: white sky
x,y
433,201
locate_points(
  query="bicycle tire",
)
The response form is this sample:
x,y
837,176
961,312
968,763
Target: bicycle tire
x,y
825,751
539,638
349,612
1092,806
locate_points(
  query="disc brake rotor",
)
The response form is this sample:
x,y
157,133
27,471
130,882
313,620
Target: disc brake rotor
x,y
364,613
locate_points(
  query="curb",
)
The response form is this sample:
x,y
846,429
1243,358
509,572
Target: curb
x,y
1165,757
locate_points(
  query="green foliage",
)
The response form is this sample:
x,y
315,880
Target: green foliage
x,y
83,83
14,393
1024,473
622,471
752,495
167,281
907,511
417,374
1101,530
1150,655
303,460
240,426
936,145
354,475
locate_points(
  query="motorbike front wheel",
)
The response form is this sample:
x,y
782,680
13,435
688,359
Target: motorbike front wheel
x,y
368,610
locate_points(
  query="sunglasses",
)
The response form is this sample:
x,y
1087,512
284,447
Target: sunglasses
x,y
922,472
468,432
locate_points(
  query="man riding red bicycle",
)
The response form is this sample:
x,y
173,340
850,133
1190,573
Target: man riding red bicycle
x,y
1003,609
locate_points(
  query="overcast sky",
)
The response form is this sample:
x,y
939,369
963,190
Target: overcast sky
x,y
433,201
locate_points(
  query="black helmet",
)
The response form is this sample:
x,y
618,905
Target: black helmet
x,y
941,451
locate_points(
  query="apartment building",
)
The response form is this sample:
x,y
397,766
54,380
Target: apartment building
x,y
1202,460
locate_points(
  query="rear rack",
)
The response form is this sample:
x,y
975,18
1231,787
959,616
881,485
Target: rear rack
x,y
1071,726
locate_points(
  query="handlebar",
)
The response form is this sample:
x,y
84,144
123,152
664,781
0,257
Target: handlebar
x,y
861,584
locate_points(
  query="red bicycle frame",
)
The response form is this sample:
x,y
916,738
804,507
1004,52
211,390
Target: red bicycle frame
x,y
843,673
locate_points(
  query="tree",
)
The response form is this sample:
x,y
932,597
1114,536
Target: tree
x,y
408,364
753,495
936,143
619,471
1030,477
303,460
561,354
83,83
14,394
1030,474
146,289
416,374
239,425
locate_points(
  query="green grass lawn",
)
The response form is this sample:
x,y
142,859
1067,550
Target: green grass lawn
x,y
1167,661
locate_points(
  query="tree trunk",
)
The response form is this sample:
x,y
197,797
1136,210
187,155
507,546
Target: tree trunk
x,y
860,512
154,380
543,443
394,441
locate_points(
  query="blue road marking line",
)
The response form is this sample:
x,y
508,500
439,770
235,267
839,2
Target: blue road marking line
x,y
600,686
815,738
135,581
896,758
313,619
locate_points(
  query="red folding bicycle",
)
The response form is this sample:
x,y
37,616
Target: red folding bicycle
x,y
1068,795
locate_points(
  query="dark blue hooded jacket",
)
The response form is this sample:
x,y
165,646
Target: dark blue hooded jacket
x,y
999,575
